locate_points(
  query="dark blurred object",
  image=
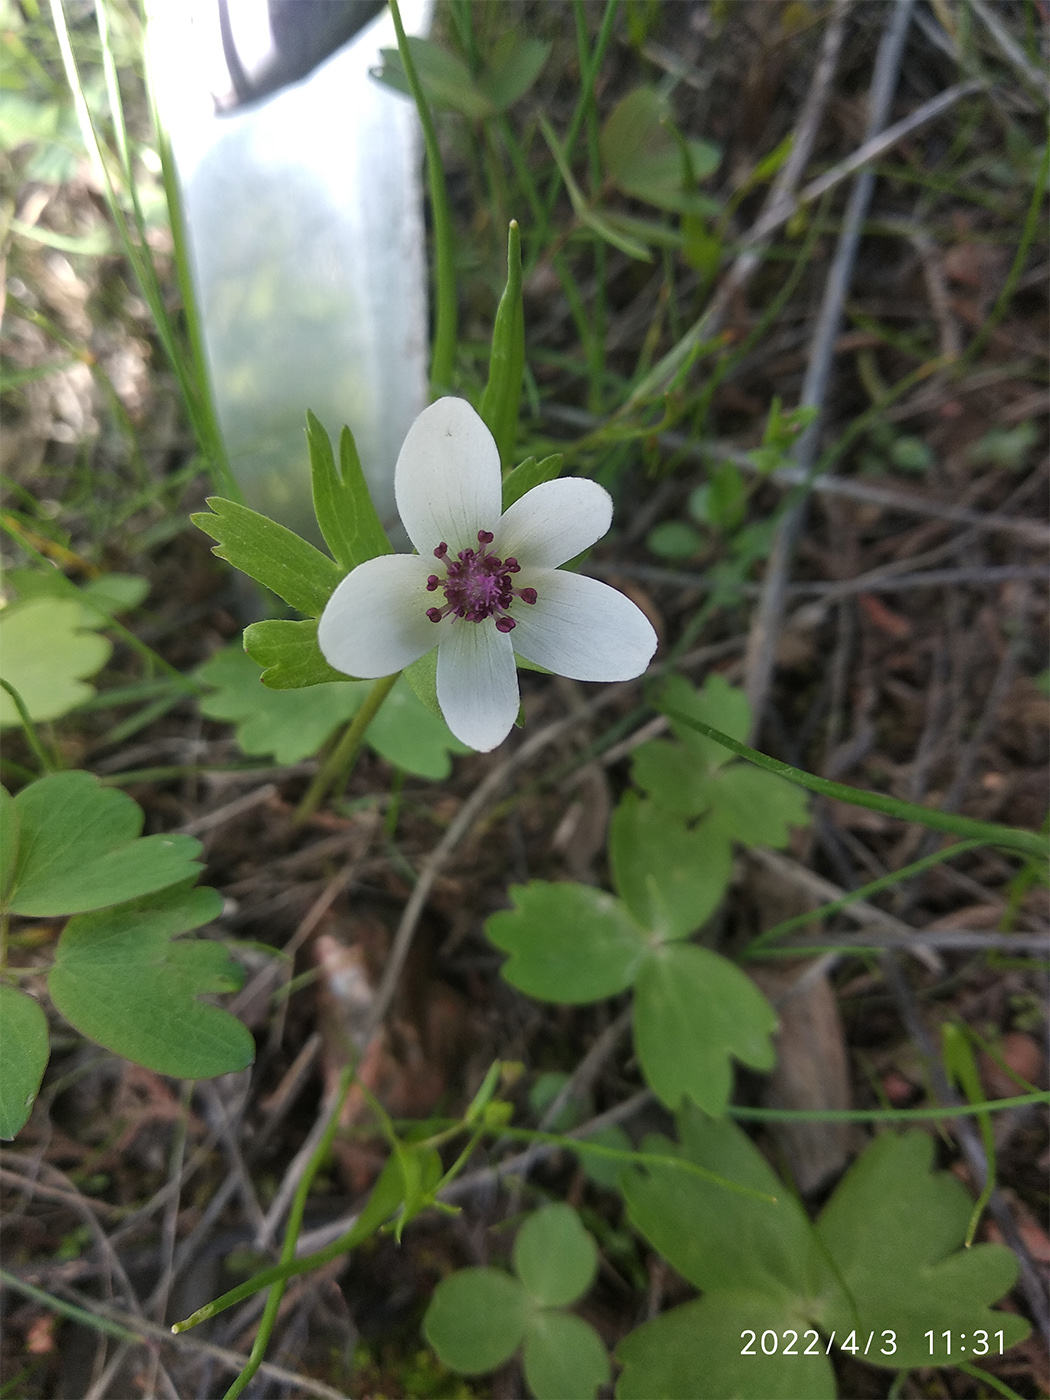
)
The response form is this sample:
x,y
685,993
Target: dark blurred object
x,y
301,34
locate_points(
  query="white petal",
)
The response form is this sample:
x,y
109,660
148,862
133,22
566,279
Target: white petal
x,y
583,629
477,683
447,480
375,622
554,522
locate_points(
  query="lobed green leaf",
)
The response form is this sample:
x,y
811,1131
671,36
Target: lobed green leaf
x,y
123,978
79,848
568,943
670,876
694,1012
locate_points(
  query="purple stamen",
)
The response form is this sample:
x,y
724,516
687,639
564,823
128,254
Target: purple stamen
x,y
477,585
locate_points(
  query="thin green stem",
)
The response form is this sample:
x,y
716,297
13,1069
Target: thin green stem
x,y
32,737
884,1115
1026,843
291,1237
339,763
443,356
884,882
70,1310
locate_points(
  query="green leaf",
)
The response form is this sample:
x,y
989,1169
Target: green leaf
x,y
554,1256
715,1238
115,593
528,474
476,1319
719,704
671,877
79,848
563,1355
502,397
270,554
290,725
567,943
512,69
407,734
693,1011
673,539
123,978
289,654
755,808
342,503
643,155
672,777
694,1352
444,77
9,825
46,653
294,724
894,1229
24,1052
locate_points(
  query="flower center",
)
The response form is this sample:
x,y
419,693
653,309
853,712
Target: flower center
x,y
477,585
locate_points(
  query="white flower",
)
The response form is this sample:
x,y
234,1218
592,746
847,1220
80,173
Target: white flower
x,y
484,584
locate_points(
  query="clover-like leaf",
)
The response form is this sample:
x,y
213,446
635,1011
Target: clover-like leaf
x,y
694,1012
24,1053
563,1355
513,67
670,876
717,703
445,78
46,654
894,1229
555,1256
271,554
476,1319
672,776
567,943
124,978
79,848
754,807
697,1352
646,158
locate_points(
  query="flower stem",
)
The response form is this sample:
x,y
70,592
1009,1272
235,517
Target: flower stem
x,y
444,352
339,764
